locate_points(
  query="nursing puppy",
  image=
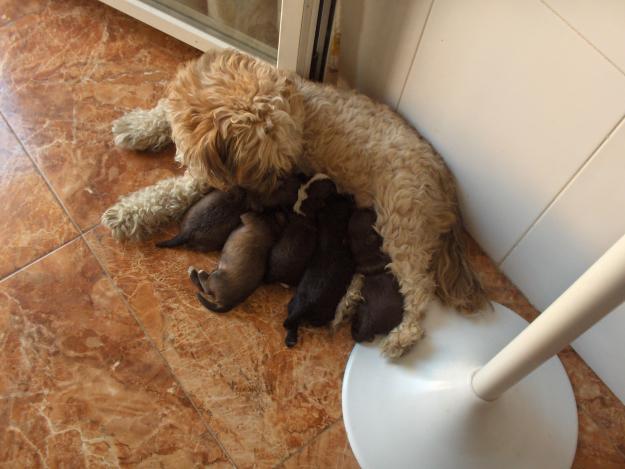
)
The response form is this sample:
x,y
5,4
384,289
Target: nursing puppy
x,y
285,196
290,256
209,222
241,266
382,304
330,271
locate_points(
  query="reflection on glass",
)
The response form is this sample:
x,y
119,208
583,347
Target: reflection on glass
x,y
249,24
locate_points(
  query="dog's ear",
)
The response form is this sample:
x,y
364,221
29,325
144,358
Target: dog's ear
x,y
206,153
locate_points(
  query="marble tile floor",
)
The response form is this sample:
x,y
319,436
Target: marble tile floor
x,y
107,360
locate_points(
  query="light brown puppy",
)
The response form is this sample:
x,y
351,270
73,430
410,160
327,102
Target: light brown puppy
x,y
241,266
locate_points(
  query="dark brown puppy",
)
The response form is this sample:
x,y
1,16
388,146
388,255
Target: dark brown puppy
x,y
208,223
330,271
383,305
291,255
241,266
285,195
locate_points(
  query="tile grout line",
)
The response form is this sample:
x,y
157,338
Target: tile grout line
x,y
39,258
81,234
42,175
307,444
132,312
567,184
584,38
414,56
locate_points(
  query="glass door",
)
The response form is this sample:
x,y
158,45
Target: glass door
x,y
251,25
288,33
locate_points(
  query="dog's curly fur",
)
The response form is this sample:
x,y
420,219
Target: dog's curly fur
x,y
143,130
142,213
239,121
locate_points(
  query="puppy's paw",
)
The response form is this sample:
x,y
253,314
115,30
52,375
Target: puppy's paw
x,y
291,338
203,275
401,340
193,275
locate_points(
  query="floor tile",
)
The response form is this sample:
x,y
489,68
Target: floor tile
x,y
596,399
33,223
263,400
329,450
10,10
594,449
65,74
79,382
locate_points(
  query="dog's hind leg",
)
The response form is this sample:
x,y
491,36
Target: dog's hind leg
x,y
143,129
137,215
411,223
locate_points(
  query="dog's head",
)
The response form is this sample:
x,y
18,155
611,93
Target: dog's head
x,y
236,121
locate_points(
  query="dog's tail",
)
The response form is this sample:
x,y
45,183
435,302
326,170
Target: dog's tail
x,y
457,285
177,240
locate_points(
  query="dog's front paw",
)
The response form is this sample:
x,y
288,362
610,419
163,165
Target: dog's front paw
x,y
125,134
142,130
122,224
401,339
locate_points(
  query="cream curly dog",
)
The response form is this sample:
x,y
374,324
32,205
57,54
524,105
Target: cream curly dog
x,y
238,121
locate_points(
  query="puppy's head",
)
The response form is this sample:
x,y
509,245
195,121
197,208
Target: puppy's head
x,y
236,121
312,196
284,195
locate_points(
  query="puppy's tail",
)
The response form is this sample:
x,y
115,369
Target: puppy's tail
x,y
177,240
457,285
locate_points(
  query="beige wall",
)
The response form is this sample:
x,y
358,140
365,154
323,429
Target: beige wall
x,y
525,101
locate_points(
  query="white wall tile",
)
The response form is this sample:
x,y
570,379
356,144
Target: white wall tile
x,y
602,22
515,101
585,220
378,42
